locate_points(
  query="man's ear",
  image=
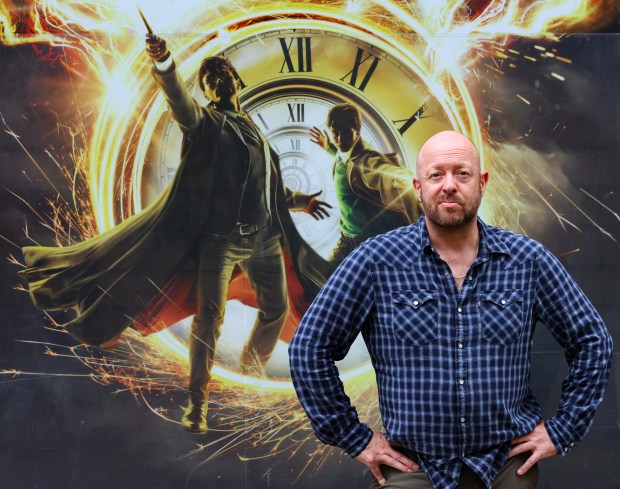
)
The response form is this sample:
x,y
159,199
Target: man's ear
x,y
484,178
416,185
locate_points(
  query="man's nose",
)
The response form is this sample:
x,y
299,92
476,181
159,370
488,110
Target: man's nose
x,y
449,183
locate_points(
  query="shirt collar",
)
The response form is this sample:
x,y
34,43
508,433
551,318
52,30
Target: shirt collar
x,y
489,241
344,157
403,256
231,113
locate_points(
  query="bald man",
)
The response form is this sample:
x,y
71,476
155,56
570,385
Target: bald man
x,y
447,308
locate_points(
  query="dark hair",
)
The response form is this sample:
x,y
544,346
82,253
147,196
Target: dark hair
x,y
345,114
215,65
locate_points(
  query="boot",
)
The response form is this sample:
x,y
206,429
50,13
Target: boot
x,y
194,418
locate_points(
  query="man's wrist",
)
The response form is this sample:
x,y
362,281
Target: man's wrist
x,y
562,439
356,439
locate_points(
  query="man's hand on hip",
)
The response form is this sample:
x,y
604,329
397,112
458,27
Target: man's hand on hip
x,y
380,452
537,442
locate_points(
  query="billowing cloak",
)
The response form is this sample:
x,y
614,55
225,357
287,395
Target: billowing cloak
x,y
142,272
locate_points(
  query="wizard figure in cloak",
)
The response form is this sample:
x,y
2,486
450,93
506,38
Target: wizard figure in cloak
x,y
226,209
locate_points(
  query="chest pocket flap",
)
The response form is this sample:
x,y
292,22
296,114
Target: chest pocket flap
x,y
413,298
501,315
502,298
415,316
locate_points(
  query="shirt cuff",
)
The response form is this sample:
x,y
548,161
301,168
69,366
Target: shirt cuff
x,y
561,437
356,439
163,66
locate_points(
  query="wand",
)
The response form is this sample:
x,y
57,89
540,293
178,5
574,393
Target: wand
x,y
148,27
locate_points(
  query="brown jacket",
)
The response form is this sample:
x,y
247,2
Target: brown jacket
x,y
372,176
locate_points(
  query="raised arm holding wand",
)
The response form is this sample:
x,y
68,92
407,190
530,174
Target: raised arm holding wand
x,y
226,206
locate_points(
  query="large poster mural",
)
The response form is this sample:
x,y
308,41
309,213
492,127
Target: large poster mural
x,y
89,141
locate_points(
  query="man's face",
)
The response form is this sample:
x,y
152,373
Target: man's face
x,y
448,181
220,85
344,136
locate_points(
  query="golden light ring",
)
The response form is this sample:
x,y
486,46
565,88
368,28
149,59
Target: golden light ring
x,y
109,140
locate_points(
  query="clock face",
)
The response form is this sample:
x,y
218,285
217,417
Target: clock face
x,y
326,68
290,80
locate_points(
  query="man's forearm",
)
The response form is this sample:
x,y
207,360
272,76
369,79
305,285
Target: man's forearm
x,y
184,108
324,336
334,422
582,391
579,329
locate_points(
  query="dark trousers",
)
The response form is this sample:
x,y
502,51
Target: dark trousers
x,y
506,479
260,257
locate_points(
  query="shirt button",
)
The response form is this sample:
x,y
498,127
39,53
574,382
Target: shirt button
x,y
572,443
461,381
462,420
470,278
460,345
503,302
460,310
415,303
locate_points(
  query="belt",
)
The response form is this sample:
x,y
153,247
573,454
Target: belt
x,y
247,229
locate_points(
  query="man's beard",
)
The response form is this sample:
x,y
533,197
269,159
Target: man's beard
x,y
452,219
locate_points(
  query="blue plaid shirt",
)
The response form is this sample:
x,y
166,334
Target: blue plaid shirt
x,y
452,367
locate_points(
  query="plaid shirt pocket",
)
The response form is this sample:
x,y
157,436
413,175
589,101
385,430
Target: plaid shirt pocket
x,y
415,316
501,316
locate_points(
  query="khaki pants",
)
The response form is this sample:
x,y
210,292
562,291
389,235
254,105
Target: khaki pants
x,y
507,478
259,255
